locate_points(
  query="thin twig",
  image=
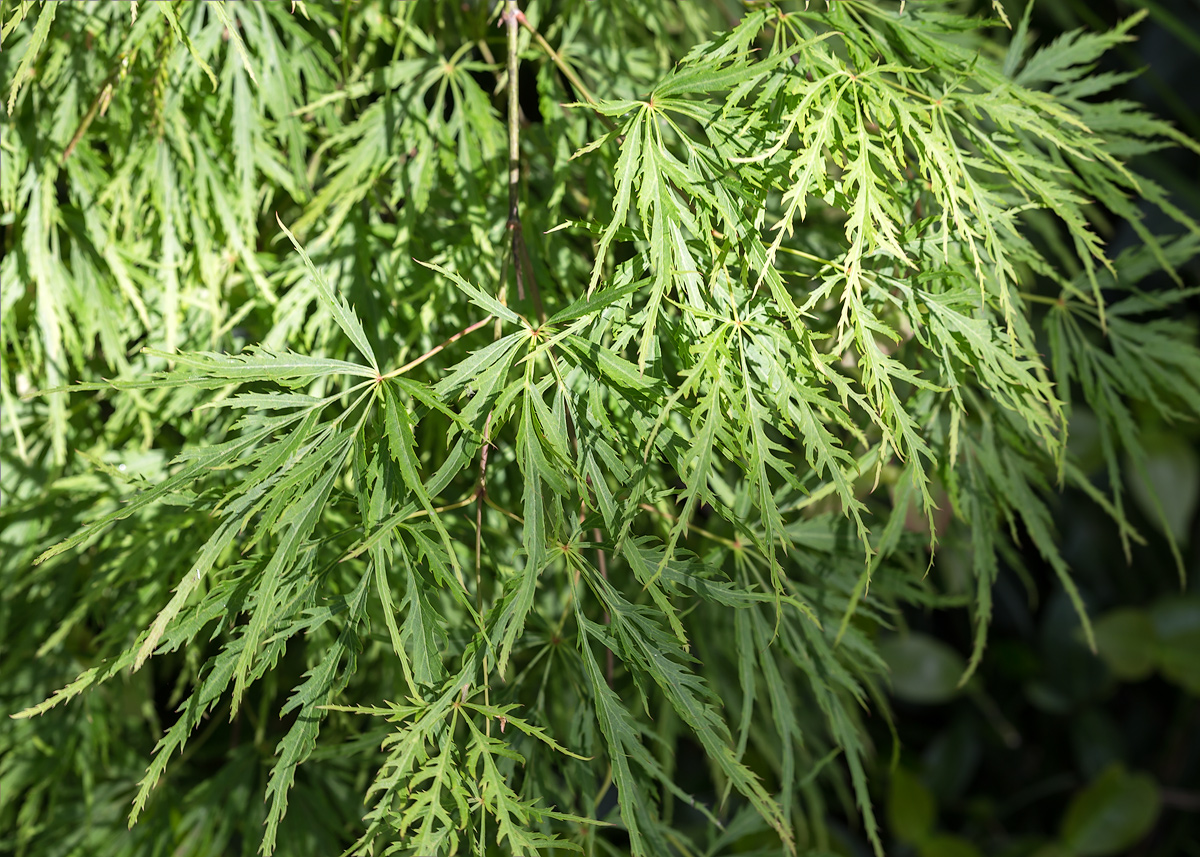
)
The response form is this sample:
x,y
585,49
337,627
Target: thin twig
x,y
512,19
514,111
556,57
508,514
412,364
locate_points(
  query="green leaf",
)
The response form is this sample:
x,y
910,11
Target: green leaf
x,y
41,31
1112,814
1176,624
611,366
1126,641
232,29
620,734
1168,490
912,810
923,670
335,304
589,306
477,296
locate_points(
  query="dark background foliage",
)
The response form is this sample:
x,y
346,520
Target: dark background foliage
x,y
1006,765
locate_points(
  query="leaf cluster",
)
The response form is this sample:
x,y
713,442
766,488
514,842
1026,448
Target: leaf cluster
x,y
497,517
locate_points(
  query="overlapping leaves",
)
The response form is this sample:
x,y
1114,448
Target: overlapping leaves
x,y
790,315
